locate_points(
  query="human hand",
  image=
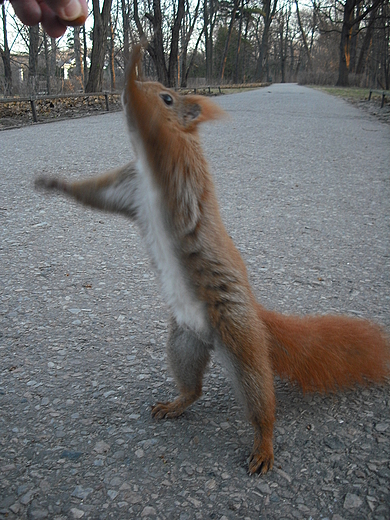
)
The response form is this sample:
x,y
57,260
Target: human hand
x,y
54,15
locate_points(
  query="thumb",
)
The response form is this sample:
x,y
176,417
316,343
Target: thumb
x,y
70,10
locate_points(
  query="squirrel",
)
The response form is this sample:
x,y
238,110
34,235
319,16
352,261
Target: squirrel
x,y
168,191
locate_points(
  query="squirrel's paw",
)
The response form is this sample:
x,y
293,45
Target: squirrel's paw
x,y
261,460
175,408
49,183
167,410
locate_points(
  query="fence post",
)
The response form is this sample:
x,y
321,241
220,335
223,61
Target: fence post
x,y
34,110
107,105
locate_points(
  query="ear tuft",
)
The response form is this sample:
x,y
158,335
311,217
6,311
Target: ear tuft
x,y
198,109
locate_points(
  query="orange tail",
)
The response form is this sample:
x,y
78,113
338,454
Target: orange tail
x,y
327,352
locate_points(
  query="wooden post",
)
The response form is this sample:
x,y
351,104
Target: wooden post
x,y
107,105
34,110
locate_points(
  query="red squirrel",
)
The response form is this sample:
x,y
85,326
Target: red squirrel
x,y
168,191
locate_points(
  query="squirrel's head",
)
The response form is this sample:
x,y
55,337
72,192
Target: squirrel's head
x,y
151,107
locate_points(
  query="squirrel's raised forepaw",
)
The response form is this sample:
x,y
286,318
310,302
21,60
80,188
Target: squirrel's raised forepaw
x,y
49,183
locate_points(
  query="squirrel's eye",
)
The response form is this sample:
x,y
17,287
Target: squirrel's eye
x,y
168,100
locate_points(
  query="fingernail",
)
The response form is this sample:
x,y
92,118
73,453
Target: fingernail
x,y
72,11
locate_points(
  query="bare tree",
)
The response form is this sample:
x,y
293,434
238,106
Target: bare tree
x,y
269,9
6,56
235,6
349,21
304,38
99,45
77,54
210,11
165,68
33,58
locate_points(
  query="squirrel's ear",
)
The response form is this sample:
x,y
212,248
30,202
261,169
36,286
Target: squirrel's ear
x,y
197,109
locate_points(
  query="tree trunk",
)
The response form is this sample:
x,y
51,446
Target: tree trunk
x,y
245,49
366,43
77,54
209,24
187,70
47,62
172,63
165,74
112,56
227,43
6,57
268,16
185,41
126,37
99,45
235,77
33,59
304,38
345,41
354,40
85,56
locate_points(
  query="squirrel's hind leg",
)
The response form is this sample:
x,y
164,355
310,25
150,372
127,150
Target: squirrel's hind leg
x,y
188,357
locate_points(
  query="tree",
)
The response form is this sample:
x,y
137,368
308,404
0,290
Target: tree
x,y
269,10
304,38
210,11
6,57
350,19
166,73
77,54
33,52
235,5
101,21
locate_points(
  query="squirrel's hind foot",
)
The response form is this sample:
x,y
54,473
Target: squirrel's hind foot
x,y
261,459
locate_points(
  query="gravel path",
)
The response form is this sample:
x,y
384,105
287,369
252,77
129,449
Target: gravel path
x,y
303,181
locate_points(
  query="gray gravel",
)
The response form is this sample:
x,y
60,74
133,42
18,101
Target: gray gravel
x,y
303,181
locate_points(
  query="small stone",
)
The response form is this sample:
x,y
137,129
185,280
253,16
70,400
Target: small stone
x,y
101,447
112,494
211,484
26,499
263,487
381,427
148,511
80,492
71,455
334,443
352,501
133,498
15,508
139,453
38,514
77,513
45,401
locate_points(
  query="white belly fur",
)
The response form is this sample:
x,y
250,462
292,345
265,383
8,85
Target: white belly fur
x,y
186,308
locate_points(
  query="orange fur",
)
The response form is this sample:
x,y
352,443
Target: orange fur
x,y
326,353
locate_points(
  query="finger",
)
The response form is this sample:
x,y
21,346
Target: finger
x,y
53,26
28,11
70,10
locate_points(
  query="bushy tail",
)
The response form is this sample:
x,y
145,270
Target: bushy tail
x,y
327,352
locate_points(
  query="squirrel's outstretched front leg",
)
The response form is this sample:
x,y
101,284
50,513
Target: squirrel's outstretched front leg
x,y
188,357
113,191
